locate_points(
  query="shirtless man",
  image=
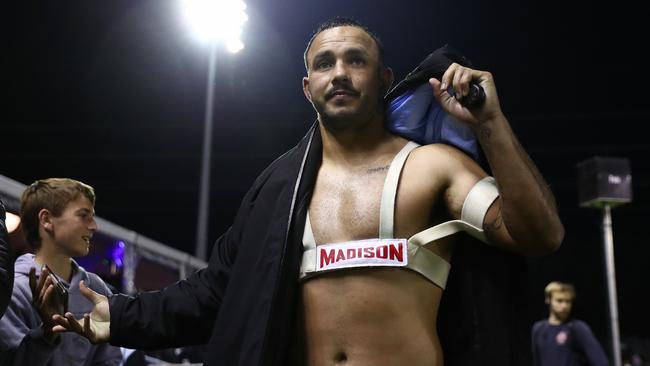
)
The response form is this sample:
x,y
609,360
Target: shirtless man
x,y
378,315
384,316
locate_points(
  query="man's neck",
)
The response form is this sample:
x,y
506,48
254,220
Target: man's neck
x,y
352,146
59,263
555,320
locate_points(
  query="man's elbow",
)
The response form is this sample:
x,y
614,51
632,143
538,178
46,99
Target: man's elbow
x,y
554,241
548,242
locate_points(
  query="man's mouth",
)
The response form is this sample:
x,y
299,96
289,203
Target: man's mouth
x,y
86,239
341,92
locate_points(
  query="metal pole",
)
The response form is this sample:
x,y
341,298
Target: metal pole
x,y
608,244
130,265
204,192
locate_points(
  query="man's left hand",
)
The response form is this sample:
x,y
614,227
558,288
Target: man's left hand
x,y
459,78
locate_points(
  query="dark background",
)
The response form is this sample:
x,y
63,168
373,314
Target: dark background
x,y
112,93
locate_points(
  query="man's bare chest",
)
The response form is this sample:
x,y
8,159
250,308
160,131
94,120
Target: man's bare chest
x,y
345,206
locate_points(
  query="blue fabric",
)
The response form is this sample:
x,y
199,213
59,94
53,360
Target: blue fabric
x,y
416,115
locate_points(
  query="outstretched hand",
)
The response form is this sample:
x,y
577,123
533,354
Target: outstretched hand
x,y
94,326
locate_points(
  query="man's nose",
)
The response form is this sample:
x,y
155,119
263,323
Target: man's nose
x,y
93,225
341,72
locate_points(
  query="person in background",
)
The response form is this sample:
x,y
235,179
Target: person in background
x,y
58,219
561,340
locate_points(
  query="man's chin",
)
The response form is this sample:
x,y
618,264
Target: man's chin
x,y
342,118
82,252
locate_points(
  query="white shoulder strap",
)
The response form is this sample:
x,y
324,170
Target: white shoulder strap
x,y
308,263
478,201
476,205
387,208
308,240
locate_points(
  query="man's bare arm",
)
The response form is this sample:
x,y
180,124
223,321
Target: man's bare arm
x,y
527,206
525,216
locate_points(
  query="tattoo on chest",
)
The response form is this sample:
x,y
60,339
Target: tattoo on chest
x,y
377,170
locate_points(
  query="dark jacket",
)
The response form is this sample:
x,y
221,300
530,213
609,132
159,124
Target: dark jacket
x,y
244,303
6,264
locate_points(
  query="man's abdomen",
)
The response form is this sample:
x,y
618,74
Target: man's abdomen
x,y
371,316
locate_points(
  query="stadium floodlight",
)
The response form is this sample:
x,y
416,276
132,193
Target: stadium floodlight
x,y
212,21
216,21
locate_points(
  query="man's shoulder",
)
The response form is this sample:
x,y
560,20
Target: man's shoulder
x,y
23,265
440,166
579,325
441,157
539,325
21,289
92,280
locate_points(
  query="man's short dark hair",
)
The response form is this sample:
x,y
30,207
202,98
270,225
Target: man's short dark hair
x,y
343,22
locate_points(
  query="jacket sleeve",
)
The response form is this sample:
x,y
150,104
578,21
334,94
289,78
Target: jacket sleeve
x,y
183,313
21,337
589,344
6,264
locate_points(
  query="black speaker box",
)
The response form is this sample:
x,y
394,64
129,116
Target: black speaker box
x,y
604,180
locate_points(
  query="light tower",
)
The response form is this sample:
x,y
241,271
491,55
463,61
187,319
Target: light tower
x,y
214,21
604,183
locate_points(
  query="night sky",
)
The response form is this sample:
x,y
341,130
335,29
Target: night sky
x,y
112,93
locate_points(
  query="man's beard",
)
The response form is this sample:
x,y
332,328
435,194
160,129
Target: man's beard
x,y
343,120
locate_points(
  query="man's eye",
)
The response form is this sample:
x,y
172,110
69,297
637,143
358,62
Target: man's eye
x,y
323,64
358,61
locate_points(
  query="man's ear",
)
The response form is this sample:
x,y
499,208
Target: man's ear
x,y
45,219
305,88
387,79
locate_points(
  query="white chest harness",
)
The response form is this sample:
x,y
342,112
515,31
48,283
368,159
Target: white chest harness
x,y
390,252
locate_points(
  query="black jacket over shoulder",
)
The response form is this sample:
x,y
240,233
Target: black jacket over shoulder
x,y
244,303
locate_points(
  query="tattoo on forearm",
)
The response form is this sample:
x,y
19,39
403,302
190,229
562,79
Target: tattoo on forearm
x,y
496,223
377,170
546,190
